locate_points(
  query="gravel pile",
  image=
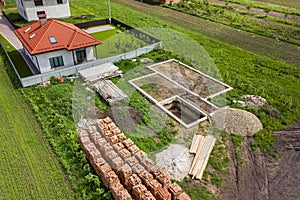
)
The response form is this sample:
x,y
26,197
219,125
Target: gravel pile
x,y
236,121
255,101
176,160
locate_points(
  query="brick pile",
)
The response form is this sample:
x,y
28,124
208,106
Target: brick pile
x,y
123,167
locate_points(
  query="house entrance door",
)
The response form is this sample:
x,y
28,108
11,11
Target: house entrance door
x,y
81,55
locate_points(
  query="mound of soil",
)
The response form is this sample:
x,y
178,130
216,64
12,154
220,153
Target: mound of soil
x,y
126,117
236,121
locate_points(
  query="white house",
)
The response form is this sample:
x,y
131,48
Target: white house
x,y
52,44
30,9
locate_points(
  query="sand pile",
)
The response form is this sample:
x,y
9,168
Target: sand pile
x,y
176,160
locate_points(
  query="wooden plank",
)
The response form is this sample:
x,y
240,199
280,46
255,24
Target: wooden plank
x,y
195,143
202,154
204,149
199,148
204,164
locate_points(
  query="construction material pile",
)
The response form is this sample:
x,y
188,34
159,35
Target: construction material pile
x,y
99,72
109,91
202,147
123,167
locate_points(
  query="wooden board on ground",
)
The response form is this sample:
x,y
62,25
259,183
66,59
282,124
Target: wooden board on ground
x,y
109,91
202,146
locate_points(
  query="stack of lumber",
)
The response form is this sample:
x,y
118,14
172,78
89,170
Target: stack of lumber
x,y
109,91
202,147
102,71
123,167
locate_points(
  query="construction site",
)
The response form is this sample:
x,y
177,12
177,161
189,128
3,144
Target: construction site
x,y
178,90
181,91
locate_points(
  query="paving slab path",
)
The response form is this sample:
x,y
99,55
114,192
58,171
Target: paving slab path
x,y
7,31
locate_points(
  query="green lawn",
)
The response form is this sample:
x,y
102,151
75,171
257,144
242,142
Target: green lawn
x,y
29,168
16,58
116,42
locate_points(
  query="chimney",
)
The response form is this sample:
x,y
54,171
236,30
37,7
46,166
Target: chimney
x,y
42,18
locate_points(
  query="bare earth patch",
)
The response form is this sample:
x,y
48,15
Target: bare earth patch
x,y
176,160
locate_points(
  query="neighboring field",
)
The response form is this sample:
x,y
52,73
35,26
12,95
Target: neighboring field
x,y
255,21
245,40
29,169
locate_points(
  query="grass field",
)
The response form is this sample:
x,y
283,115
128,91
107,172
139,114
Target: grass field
x,y
29,168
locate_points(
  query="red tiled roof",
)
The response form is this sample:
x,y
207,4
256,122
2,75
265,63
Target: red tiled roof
x,y
66,36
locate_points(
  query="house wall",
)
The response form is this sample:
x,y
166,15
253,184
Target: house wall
x,y
89,54
44,63
53,10
32,58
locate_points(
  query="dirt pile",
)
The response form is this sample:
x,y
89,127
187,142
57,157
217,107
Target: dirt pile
x,y
236,121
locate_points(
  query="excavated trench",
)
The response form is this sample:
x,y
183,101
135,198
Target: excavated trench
x,y
183,111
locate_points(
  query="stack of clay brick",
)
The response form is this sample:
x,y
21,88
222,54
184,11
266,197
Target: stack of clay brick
x,y
123,167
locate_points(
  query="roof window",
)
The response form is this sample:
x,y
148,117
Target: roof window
x,y
32,36
27,29
52,40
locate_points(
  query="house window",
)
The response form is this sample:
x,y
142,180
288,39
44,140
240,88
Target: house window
x,y
52,40
59,1
56,61
38,2
81,55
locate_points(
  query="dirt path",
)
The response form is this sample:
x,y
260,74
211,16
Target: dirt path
x,y
242,39
254,175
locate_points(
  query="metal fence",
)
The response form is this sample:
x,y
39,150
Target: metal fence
x,y
36,79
